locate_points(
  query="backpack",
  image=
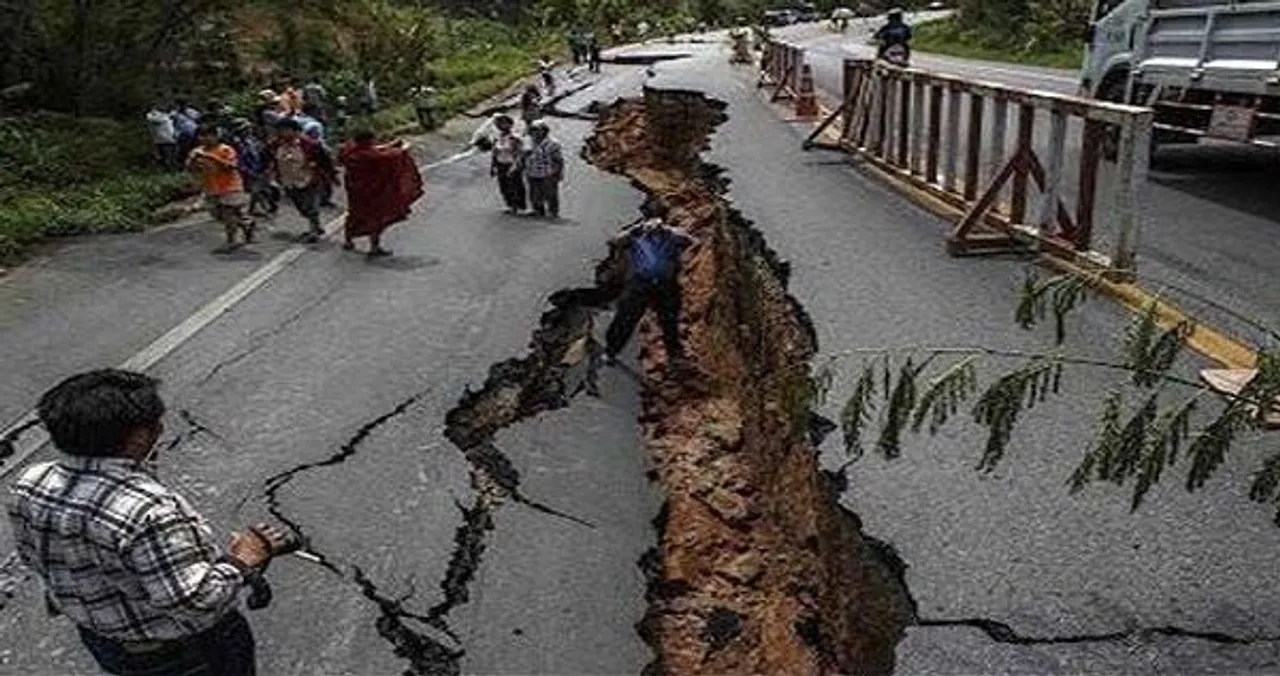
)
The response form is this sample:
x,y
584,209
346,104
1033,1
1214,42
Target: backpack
x,y
654,254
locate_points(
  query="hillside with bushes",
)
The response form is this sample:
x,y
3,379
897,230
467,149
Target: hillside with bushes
x,y
76,79
1037,32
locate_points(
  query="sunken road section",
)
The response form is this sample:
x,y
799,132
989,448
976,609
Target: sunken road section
x,y
758,568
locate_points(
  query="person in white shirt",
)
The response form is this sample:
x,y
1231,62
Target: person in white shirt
x,y
164,136
507,167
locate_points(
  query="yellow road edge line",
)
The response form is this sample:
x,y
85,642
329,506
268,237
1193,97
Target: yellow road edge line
x,y
1204,338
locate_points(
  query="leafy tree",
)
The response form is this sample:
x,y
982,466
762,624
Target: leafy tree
x,y
104,56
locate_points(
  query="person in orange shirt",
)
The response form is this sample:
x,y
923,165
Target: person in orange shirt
x,y
217,167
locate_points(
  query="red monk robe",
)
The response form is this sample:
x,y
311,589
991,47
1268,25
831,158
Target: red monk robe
x,y
382,184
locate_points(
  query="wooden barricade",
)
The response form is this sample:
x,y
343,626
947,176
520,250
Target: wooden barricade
x,y
780,69
950,137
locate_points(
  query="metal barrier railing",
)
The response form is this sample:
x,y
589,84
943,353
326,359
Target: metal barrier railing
x,y
780,68
952,138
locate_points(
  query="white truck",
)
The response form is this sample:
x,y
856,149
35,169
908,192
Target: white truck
x,y
1209,68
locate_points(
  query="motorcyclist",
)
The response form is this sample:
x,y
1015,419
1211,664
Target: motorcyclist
x,y
893,39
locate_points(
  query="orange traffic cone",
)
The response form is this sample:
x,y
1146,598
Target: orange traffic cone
x,y
806,100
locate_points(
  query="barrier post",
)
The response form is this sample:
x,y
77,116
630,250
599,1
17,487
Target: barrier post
x,y
1135,145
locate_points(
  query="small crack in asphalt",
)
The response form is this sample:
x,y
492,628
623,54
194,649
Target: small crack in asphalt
x,y
258,341
426,655
274,483
1003,633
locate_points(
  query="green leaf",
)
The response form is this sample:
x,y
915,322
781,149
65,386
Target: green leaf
x,y
942,399
1062,294
857,410
1097,462
1266,481
1000,405
902,401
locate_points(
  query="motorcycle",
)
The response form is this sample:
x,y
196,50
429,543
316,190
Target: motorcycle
x,y
896,54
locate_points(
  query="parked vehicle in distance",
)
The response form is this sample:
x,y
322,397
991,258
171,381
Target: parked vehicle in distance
x,y
808,13
779,17
1209,68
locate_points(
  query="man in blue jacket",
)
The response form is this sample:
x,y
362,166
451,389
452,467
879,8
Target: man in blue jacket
x,y
653,250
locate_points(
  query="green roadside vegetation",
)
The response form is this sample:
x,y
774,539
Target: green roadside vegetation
x,y
60,175
75,151
949,37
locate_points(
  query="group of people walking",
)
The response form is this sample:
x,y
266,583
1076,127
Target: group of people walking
x,y
247,165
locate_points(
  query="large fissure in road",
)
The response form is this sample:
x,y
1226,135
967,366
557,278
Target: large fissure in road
x,y
758,568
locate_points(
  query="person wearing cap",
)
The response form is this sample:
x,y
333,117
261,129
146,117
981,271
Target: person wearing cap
x,y
127,559
299,164
544,169
267,113
426,105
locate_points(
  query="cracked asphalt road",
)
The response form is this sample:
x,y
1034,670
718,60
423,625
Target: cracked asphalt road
x,y
334,343
1208,216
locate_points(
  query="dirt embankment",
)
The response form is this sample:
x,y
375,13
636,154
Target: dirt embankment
x,y
758,569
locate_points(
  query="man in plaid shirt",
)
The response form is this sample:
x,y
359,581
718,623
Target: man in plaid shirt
x,y
126,559
544,168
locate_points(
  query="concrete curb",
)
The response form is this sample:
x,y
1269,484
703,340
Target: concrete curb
x,y
1205,339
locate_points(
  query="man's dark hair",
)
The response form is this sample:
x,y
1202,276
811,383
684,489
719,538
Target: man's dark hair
x,y
364,136
92,414
289,123
207,130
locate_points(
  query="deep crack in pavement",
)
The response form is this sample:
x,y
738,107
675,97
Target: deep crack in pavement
x,y
515,390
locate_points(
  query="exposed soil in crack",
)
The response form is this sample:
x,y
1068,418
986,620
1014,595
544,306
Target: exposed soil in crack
x,y
560,364
758,568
